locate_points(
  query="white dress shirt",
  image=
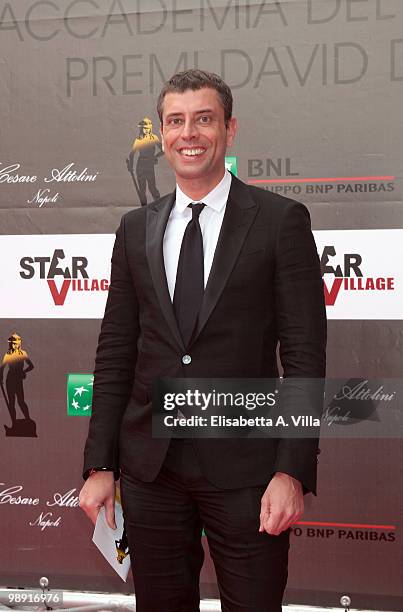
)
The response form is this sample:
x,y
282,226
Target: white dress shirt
x,y
211,218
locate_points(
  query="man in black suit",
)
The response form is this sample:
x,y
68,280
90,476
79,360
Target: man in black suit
x,y
254,257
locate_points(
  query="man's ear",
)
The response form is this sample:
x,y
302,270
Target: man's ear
x,y
232,127
162,137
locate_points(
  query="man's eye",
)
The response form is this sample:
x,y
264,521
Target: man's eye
x,y
204,119
175,121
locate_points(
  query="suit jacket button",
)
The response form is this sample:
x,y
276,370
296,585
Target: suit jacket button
x,y
186,359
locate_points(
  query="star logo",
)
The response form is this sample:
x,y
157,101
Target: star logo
x,y
79,394
231,163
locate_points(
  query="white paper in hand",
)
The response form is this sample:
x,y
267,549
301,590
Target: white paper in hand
x,y
105,539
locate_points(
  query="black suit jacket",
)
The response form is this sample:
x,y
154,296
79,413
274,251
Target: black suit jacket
x,y
264,287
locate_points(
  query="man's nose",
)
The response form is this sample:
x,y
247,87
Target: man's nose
x,y
190,130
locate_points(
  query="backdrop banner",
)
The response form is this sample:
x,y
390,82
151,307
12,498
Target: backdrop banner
x,y
318,88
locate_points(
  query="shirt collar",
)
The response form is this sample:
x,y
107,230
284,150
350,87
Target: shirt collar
x,y
215,199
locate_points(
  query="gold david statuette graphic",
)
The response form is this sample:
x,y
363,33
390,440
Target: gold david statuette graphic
x,y
148,147
17,361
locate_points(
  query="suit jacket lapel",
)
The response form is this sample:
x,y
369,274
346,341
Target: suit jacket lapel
x,y
157,218
239,215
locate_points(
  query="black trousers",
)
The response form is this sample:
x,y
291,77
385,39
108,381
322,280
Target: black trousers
x,y
164,521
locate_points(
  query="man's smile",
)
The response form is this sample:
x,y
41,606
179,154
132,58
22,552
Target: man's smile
x,y
192,151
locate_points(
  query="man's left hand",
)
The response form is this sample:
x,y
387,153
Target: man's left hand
x,y
282,504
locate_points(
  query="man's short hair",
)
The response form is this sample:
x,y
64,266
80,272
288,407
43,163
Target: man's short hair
x,y
195,79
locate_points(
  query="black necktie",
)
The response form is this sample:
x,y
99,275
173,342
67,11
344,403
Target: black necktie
x,y
189,285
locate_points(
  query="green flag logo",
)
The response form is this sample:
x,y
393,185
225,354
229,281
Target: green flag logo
x,y
79,394
231,163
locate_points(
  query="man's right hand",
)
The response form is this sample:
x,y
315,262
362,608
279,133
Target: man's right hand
x,y
98,491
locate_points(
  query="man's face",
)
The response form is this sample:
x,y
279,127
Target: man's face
x,y
195,136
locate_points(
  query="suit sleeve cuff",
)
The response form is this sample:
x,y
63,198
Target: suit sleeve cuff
x,y
87,473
